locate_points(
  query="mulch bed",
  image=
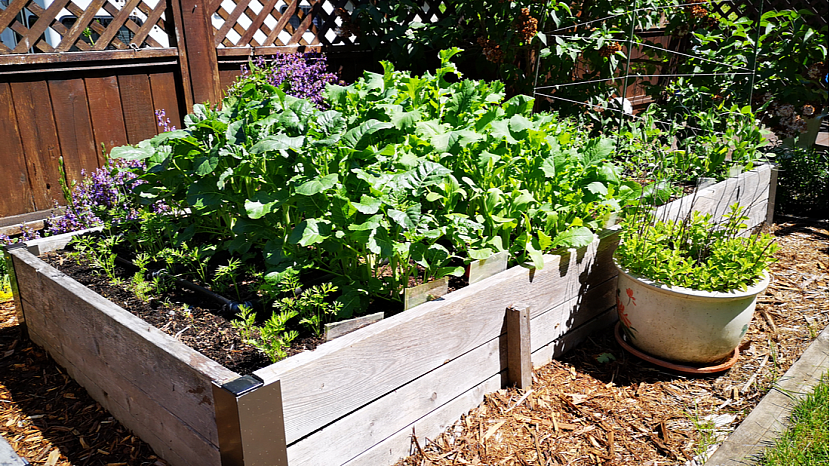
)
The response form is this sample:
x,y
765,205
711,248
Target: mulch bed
x,y
596,405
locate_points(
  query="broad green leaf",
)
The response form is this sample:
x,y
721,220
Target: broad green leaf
x,y
449,141
372,223
545,241
331,122
131,152
310,231
356,137
205,165
317,185
595,151
279,142
367,205
576,237
403,120
426,174
597,187
264,203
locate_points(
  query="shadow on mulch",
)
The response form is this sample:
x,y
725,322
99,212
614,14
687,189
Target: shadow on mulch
x,y
48,418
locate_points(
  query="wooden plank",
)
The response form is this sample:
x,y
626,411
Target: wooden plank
x,y
398,445
16,195
40,141
201,53
266,50
174,11
137,105
106,112
41,246
39,215
570,340
750,190
318,387
74,125
165,97
773,189
170,438
393,411
519,370
100,337
74,57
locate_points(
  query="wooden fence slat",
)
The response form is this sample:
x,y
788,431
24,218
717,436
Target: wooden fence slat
x,y
107,115
81,24
95,26
43,22
118,20
257,22
230,21
137,105
165,97
130,24
74,127
16,197
201,53
39,137
283,20
152,18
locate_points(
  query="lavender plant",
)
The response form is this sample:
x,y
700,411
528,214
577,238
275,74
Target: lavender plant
x,y
301,75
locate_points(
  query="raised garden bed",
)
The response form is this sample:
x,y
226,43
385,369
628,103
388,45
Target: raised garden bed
x,y
419,369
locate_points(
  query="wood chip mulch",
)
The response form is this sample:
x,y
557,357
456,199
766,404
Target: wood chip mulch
x,y
596,405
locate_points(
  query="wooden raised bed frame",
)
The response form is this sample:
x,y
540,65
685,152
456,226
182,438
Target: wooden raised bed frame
x,y
354,400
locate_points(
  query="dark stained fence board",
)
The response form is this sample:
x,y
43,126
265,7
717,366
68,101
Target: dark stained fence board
x,y
137,105
74,124
39,137
15,190
166,97
105,110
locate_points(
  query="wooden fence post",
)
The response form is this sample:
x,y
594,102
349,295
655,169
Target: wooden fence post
x,y
519,367
773,188
197,52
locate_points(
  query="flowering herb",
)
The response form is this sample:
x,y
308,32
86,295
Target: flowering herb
x,y
300,75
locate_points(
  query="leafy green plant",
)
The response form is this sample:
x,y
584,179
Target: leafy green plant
x,y
695,252
802,182
412,175
272,338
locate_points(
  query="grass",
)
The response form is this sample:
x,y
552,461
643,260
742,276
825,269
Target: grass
x,y
805,441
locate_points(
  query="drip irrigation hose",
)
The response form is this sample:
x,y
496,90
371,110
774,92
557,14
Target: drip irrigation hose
x,y
229,306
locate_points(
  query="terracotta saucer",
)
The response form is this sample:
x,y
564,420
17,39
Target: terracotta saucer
x,y
682,368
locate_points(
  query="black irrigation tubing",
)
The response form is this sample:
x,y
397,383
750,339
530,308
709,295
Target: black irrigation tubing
x,y
228,305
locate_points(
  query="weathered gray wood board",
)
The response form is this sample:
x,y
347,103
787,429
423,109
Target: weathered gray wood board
x,y
750,190
158,387
354,400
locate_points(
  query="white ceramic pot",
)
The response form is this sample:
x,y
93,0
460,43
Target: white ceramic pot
x,y
684,325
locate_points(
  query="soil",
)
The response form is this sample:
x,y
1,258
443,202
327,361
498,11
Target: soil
x,y
595,405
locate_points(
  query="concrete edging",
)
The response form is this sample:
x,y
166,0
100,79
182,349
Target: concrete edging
x,y
770,418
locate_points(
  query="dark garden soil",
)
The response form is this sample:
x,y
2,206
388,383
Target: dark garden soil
x,y
596,405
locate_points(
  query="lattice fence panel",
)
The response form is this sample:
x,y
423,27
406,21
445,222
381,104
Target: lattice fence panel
x,y
268,23
78,25
751,8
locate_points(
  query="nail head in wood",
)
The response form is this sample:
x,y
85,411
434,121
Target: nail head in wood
x,y
519,366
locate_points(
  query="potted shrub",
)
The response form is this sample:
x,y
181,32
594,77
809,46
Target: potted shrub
x,y
686,289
